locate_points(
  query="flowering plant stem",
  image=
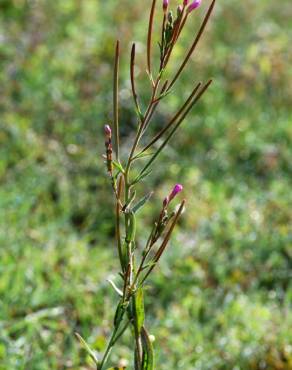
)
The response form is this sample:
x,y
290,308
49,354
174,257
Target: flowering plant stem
x,y
137,265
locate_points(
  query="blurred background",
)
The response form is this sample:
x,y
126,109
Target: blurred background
x,y
221,298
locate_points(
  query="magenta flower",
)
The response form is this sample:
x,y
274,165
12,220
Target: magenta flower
x,y
177,189
194,5
108,131
186,2
165,4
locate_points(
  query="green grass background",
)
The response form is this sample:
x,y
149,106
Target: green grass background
x,y
221,298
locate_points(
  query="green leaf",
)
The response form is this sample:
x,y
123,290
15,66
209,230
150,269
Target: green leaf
x,y
142,155
148,354
132,198
87,348
139,309
121,308
120,293
118,166
141,176
142,202
132,228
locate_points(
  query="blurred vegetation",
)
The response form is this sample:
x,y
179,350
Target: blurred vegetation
x,y
222,298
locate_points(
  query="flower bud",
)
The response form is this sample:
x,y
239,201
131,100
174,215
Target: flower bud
x,y
177,189
194,5
186,2
108,131
165,5
179,10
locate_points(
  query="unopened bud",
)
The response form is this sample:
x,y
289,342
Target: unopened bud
x,y
179,10
177,189
186,2
165,5
108,131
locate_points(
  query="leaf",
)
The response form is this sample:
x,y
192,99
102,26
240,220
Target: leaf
x,y
139,309
119,313
142,155
132,228
148,354
87,348
120,293
141,176
132,198
142,202
118,166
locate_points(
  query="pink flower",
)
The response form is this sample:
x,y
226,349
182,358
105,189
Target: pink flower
x,y
165,5
177,189
194,5
186,2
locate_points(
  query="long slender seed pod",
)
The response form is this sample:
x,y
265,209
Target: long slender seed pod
x,y
132,75
165,241
172,121
196,99
116,101
195,43
149,38
155,104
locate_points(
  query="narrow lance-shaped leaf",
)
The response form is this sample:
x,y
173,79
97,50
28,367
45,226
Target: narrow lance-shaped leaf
x,y
148,355
141,176
139,309
87,348
142,202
